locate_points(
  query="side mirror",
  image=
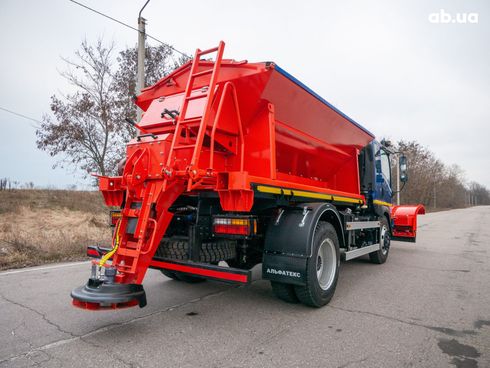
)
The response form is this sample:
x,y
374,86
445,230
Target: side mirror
x,y
402,162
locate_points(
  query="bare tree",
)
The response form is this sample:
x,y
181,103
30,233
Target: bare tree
x,y
425,172
435,184
480,195
86,129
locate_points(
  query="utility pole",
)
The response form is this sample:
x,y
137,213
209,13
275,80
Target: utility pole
x,y
398,180
435,196
140,82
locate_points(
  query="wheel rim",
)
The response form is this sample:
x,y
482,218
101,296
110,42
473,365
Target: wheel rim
x,y
326,264
384,240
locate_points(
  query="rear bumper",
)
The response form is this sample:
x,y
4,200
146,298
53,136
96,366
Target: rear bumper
x,y
205,270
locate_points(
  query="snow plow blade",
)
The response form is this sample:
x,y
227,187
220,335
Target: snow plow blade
x,y
405,222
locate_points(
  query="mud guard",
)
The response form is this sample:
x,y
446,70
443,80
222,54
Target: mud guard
x,y
404,219
288,241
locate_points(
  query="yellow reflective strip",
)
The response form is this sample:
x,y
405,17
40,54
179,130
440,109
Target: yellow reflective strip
x,y
381,203
345,199
300,193
265,189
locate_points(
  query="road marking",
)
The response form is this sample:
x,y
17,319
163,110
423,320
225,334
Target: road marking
x,y
32,269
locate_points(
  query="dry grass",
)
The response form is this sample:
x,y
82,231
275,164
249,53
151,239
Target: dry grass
x,y
41,226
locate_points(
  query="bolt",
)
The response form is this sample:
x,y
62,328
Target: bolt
x,y
138,177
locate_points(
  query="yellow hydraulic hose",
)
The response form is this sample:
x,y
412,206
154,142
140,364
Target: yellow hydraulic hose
x,y
108,255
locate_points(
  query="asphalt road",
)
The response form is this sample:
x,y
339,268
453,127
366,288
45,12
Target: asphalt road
x,y
428,306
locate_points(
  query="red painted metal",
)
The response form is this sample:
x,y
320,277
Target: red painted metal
x,y
97,307
405,220
111,190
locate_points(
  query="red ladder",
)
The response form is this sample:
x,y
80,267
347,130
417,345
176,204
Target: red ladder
x,y
179,142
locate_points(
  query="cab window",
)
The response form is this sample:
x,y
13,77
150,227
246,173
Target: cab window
x,y
385,166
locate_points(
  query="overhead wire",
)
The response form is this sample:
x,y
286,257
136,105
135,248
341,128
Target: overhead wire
x,y
128,26
22,116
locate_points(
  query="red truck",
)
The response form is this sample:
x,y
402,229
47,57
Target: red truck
x,y
239,164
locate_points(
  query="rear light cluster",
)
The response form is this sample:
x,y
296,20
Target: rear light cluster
x,y
245,226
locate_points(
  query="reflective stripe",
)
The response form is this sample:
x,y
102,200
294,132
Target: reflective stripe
x,y
381,203
345,199
300,193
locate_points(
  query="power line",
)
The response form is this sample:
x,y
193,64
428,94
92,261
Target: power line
x,y
127,25
22,116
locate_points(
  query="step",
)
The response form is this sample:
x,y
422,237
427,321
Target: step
x,y
128,252
208,51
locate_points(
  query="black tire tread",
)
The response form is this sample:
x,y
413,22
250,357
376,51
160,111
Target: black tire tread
x,y
378,257
306,294
170,274
215,251
284,292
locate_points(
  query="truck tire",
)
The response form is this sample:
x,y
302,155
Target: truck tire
x,y
211,251
381,255
179,276
170,274
189,278
322,268
284,292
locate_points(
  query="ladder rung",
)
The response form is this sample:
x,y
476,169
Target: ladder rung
x,y
128,252
204,72
185,146
195,97
208,51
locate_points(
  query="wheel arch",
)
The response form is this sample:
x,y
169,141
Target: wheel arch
x,y
332,216
289,237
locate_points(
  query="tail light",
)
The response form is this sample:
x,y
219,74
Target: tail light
x,y
243,226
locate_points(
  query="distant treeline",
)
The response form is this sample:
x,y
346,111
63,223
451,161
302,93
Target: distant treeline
x,y
435,184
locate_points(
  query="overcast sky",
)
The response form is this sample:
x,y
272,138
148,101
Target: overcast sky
x,y
381,62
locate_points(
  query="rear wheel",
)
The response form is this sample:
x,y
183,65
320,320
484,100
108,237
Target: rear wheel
x,y
322,268
179,276
284,292
211,251
189,278
170,274
381,255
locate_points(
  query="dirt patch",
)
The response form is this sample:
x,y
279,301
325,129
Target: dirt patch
x,y
35,230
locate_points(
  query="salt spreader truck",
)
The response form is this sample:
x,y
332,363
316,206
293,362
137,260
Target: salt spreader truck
x,y
238,164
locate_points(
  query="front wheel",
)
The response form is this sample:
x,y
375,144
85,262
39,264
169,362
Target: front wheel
x,y
381,255
322,268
